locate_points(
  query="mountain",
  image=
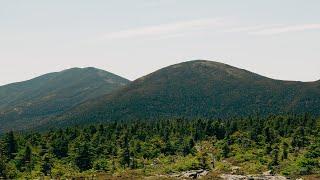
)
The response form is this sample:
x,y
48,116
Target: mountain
x,y
198,89
26,104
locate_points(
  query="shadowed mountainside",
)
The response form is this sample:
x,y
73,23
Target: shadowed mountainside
x,y
26,104
198,89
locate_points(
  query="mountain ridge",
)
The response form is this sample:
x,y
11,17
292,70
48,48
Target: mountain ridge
x,y
194,89
198,88
50,94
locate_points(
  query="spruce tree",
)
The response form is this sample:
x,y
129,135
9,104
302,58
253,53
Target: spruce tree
x,y
84,157
225,150
11,145
285,147
125,156
27,158
3,174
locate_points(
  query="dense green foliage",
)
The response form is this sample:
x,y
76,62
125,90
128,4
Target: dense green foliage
x,y
288,145
195,89
26,104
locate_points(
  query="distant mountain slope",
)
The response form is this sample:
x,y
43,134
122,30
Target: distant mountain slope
x,y
26,104
198,89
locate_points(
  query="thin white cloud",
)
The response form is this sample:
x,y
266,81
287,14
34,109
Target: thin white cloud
x,y
286,29
247,28
185,28
165,29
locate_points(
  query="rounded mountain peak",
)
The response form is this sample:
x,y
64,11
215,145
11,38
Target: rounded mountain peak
x,y
200,69
205,64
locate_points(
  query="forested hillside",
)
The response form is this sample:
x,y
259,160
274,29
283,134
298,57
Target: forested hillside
x,y
287,145
198,89
26,104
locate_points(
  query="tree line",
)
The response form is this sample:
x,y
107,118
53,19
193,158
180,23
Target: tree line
x,y
286,144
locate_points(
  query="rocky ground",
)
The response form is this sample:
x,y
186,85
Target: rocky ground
x,y
202,174
252,177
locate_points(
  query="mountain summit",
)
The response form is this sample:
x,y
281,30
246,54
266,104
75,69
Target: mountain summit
x,y
26,104
199,89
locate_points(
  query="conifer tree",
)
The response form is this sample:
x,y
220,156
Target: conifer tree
x,y
125,156
285,147
2,167
11,145
27,158
225,150
84,157
275,157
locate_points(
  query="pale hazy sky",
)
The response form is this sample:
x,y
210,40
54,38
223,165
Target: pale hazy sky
x,y
131,38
